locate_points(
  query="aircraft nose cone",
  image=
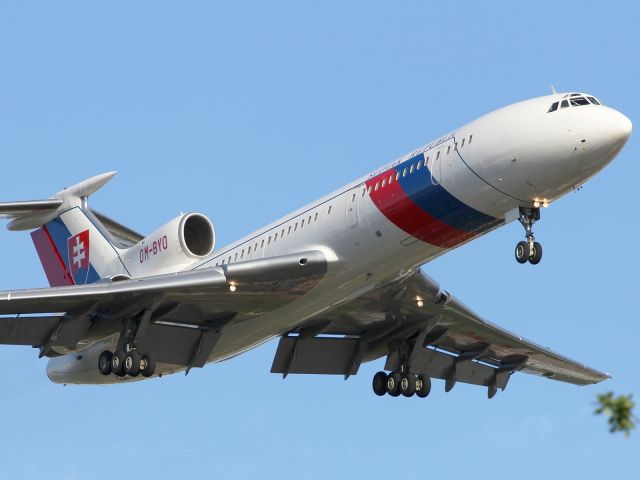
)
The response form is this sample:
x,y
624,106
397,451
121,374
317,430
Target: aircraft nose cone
x,y
618,129
624,127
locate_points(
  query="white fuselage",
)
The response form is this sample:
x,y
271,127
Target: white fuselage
x,y
512,157
382,226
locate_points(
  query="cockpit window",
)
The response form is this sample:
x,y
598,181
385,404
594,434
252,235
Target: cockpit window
x,y
578,101
574,100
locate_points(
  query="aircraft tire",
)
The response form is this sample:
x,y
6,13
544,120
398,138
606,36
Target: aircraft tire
x,y
117,363
523,252
132,363
536,255
380,383
147,365
408,385
104,362
393,384
425,386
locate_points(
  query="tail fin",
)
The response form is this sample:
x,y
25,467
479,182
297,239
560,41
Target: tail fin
x,y
73,246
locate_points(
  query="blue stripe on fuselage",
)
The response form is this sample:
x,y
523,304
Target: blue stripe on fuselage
x,y
438,202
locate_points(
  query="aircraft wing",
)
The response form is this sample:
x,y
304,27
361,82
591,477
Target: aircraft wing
x,y
178,312
442,338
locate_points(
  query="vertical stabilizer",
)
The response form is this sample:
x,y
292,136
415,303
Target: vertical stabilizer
x,y
73,246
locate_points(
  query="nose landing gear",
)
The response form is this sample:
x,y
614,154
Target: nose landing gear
x,y
529,250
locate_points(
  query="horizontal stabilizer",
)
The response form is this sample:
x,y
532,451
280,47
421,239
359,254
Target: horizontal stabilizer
x,y
28,207
30,214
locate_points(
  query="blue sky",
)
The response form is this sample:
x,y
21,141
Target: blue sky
x,y
245,111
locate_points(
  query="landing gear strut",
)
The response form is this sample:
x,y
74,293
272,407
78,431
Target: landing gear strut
x,y
529,250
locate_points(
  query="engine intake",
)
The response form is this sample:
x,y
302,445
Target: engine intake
x,y
197,236
182,241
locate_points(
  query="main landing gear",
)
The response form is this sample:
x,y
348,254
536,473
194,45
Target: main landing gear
x,y
122,363
405,383
529,250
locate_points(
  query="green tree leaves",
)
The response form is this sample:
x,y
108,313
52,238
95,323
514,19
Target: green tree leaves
x,y
619,410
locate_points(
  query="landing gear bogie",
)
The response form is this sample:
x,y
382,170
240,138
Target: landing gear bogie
x,y
122,364
405,384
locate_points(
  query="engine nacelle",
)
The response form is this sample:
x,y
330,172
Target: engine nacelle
x,y
184,240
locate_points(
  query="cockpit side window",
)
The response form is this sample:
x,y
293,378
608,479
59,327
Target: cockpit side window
x,y
564,104
553,107
594,101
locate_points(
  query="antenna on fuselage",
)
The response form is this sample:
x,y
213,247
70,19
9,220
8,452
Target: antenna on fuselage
x,y
553,90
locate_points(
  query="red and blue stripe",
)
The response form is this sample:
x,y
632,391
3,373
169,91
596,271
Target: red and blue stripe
x,y
424,208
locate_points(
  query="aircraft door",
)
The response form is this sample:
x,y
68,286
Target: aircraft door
x,y
352,208
436,166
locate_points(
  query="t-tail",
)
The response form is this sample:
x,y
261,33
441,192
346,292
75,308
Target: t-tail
x,y
74,246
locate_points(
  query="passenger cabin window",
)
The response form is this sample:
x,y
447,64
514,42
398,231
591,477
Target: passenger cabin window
x,y
411,169
437,155
462,144
448,149
470,138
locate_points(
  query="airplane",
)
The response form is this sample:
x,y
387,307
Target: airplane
x,y
338,281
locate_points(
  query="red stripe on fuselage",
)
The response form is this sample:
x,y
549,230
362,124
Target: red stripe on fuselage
x,y
394,204
50,258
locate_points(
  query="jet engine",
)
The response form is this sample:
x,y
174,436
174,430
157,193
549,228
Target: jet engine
x,y
182,241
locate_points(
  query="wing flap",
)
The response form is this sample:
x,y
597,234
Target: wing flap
x,y
34,331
